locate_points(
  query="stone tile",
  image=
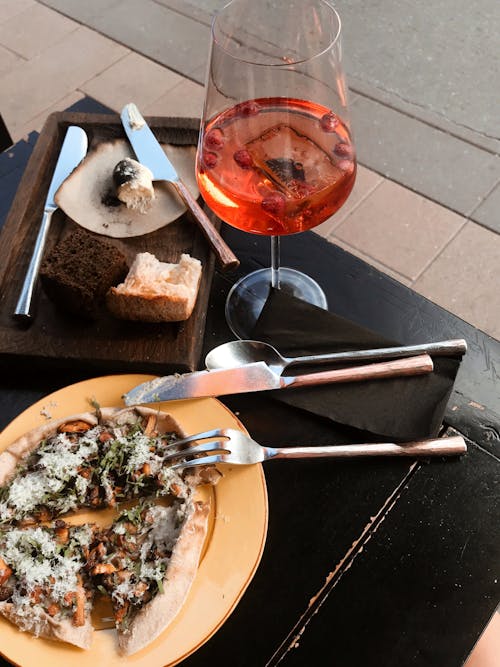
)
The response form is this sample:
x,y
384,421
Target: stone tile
x,y
35,124
35,30
366,182
488,213
184,100
414,110
8,61
131,79
399,228
464,279
156,32
9,8
197,11
427,160
369,260
199,74
83,12
37,83
444,60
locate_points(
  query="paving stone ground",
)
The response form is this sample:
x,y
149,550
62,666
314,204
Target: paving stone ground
x,y
425,207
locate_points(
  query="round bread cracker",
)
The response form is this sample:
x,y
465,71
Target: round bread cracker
x,y
88,195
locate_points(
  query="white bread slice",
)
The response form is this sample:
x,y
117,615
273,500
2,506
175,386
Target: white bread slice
x,y
155,291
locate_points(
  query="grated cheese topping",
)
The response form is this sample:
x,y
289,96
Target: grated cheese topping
x,y
37,559
157,536
58,461
69,471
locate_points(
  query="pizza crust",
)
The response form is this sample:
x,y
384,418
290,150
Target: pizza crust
x,y
8,463
157,615
43,625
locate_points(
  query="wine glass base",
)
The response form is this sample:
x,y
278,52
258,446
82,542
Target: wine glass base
x,y
247,297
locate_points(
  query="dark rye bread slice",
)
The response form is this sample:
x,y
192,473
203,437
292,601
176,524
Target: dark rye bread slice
x,y
79,271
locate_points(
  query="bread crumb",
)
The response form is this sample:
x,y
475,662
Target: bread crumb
x,y
44,412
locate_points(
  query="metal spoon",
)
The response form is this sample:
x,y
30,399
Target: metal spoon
x,y
240,352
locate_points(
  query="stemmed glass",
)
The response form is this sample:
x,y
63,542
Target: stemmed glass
x,y
275,153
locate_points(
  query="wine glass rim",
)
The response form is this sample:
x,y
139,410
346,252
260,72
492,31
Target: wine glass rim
x,y
283,64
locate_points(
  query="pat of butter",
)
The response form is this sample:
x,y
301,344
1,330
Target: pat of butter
x,y
135,120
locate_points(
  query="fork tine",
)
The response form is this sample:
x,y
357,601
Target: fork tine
x,y
205,460
211,446
214,433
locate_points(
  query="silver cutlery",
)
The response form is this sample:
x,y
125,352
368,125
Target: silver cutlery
x,y
73,151
151,154
228,445
259,377
240,352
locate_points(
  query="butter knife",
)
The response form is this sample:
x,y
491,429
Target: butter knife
x,y
151,154
259,377
73,151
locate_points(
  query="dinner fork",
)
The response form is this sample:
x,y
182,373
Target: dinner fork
x,y
228,445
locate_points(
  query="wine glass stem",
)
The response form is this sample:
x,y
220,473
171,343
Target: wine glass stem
x,y
275,262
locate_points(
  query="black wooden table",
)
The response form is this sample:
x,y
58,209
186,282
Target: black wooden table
x,y
368,563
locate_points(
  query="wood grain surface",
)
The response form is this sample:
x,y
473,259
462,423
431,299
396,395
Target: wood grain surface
x,y
58,340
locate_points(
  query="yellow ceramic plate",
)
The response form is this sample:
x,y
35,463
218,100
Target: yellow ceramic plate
x,y
232,551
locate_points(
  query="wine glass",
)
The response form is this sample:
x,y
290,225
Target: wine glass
x,y
275,153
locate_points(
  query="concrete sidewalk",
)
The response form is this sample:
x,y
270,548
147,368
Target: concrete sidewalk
x,y
425,206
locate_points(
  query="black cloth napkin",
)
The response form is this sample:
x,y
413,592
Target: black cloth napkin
x,y
404,408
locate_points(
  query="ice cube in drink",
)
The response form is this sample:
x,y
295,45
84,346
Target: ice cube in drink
x,y
295,163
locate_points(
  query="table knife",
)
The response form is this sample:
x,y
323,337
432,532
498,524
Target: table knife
x,y
259,377
151,154
73,151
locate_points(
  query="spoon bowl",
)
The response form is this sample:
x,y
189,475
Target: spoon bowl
x,y
240,352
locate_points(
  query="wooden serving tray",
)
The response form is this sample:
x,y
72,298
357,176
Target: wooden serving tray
x,y
58,340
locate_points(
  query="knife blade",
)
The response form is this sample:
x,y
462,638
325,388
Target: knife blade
x,y
259,377
73,151
149,153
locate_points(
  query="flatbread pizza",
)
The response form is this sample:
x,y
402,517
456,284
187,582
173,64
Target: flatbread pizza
x,y
145,561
